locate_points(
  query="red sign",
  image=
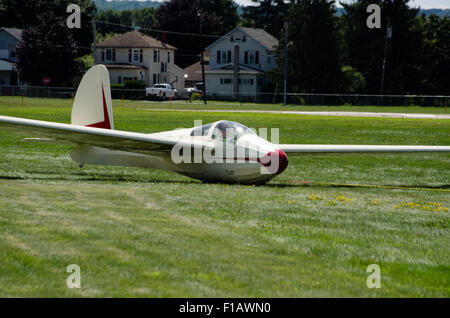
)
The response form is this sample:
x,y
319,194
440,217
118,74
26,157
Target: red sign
x,y
46,80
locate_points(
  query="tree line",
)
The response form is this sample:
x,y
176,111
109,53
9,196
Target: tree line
x,y
327,52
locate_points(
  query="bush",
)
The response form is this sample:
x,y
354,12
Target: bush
x,y
353,81
117,86
196,96
135,84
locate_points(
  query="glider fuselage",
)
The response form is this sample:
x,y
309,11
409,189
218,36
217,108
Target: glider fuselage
x,y
229,161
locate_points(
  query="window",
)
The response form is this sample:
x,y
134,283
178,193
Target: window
x,y
168,57
244,39
237,39
155,78
218,57
226,81
246,57
12,51
252,57
257,57
136,56
232,39
229,56
108,55
224,56
269,56
163,67
156,56
246,81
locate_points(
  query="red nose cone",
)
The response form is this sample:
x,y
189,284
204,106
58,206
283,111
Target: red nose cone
x,y
276,162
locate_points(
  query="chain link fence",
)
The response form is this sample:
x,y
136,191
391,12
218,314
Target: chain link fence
x,y
64,92
337,99
266,98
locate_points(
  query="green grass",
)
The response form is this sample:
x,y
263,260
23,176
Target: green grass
x,y
221,105
147,233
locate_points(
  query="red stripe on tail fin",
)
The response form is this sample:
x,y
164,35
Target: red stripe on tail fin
x,y
105,123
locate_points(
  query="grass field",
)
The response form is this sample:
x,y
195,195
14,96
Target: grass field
x,y
147,233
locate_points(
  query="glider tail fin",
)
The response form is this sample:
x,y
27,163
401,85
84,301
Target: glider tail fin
x,y
92,106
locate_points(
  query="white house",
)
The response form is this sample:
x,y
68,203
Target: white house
x,y
134,55
8,41
256,56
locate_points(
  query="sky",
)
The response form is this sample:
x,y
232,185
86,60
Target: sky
x,y
424,4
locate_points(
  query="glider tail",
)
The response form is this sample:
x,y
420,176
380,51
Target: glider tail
x,y
92,106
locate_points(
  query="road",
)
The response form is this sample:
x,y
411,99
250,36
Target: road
x,y
318,113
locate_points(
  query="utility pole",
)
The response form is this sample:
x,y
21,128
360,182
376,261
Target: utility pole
x,y
236,72
285,61
383,68
202,61
95,38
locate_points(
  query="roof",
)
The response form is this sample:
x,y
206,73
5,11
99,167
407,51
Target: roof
x,y
16,33
194,72
259,35
125,66
6,65
134,39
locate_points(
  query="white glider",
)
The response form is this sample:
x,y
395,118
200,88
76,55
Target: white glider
x,y
222,151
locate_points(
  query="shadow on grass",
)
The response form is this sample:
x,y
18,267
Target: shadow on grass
x,y
84,176
80,177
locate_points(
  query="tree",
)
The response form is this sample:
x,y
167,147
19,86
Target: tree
x,y
404,69
215,17
268,15
109,21
24,13
144,18
313,50
48,50
436,54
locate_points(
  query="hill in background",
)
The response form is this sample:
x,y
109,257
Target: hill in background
x,y
130,5
427,12
125,5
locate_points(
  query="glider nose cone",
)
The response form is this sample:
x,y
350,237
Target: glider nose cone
x,y
275,161
282,161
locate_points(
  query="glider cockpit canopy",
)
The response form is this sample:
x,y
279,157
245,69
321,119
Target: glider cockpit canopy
x,y
222,130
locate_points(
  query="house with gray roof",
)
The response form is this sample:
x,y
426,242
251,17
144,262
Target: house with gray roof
x,y
137,56
9,38
255,49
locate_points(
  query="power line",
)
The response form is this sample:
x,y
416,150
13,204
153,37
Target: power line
x,y
159,31
178,33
